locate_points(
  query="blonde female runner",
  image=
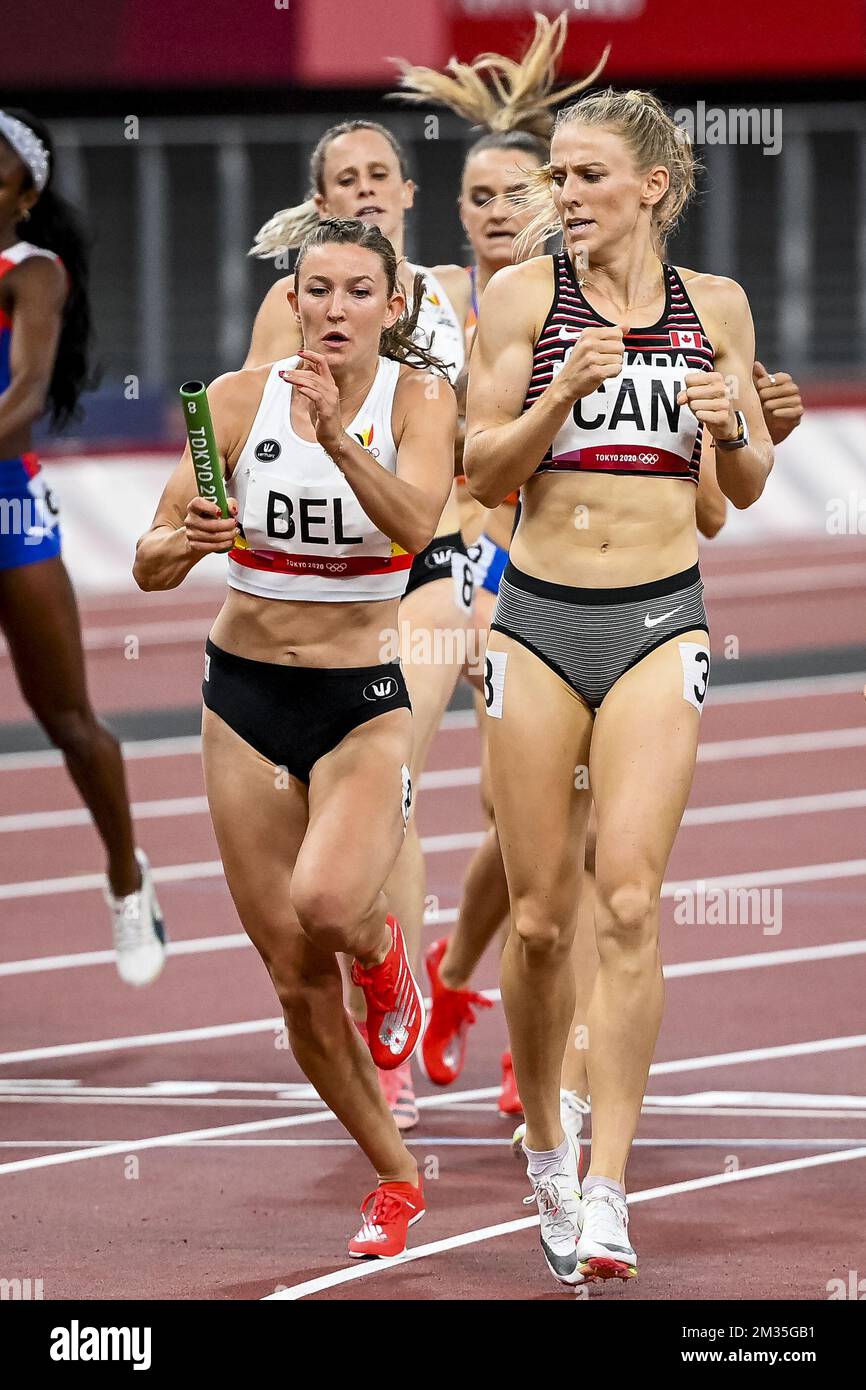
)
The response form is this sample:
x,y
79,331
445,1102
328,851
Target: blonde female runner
x,y
595,374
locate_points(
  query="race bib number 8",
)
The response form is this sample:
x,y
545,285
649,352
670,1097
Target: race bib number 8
x,y
463,579
494,682
696,672
406,794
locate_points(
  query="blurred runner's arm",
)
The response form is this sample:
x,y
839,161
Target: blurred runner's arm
x,y
780,400
711,504
38,292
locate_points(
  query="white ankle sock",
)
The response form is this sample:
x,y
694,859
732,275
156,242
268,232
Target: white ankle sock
x,y
590,1183
543,1163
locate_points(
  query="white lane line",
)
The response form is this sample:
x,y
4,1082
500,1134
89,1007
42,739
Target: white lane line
x,y
815,1100
798,873
71,1098
773,745
780,806
374,1267
758,960
78,815
758,1112
759,1054
787,581
79,883
196,945
230,941
156,1141
451,777
181,745
440,844
437,780
291,1093
714,965
440,1141
744,693
182,1035
290,1090
749,692
264,1025
187,745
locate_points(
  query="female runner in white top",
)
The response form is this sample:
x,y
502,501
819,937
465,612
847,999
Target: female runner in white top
x,y
307,730
358,169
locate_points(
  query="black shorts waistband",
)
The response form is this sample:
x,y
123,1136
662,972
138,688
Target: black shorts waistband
x,y
569,593
295,715
280,672
452,540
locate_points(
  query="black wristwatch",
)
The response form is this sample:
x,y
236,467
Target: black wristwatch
x,y
742,436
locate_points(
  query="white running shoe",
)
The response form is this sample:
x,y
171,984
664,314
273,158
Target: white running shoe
x,y
571,1112
558,1198
604,1250
139,933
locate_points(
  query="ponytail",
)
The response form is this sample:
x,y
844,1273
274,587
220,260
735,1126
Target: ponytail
x,y
55,225
285,230
497,93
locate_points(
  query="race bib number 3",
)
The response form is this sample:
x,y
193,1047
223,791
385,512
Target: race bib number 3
x,y
696,672
494,682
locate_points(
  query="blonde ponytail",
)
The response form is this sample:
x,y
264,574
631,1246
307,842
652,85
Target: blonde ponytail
x,y
285,230
501,93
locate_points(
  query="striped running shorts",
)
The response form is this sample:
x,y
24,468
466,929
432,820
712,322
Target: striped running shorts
x,y
591,637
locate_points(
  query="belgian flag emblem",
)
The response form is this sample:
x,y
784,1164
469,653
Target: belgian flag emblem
x,y
364,437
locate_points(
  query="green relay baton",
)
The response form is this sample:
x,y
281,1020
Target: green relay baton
x,y
205,458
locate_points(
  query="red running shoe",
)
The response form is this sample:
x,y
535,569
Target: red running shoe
x,y
388,1213
443,1050
509,1100
398,1088
399,1091
395,1008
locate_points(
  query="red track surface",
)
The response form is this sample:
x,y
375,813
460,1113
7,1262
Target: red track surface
x,y
235,1215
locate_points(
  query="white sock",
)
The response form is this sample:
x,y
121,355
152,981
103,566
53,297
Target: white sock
x,y
590,1183
543,1163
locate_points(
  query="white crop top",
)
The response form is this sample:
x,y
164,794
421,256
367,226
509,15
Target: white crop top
x,y
439,330
304,533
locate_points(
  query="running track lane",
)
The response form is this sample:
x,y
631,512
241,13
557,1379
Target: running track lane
x,y
287,1218
774,1079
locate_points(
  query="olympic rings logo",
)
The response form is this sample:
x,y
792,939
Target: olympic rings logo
x,y
335,569
647,458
